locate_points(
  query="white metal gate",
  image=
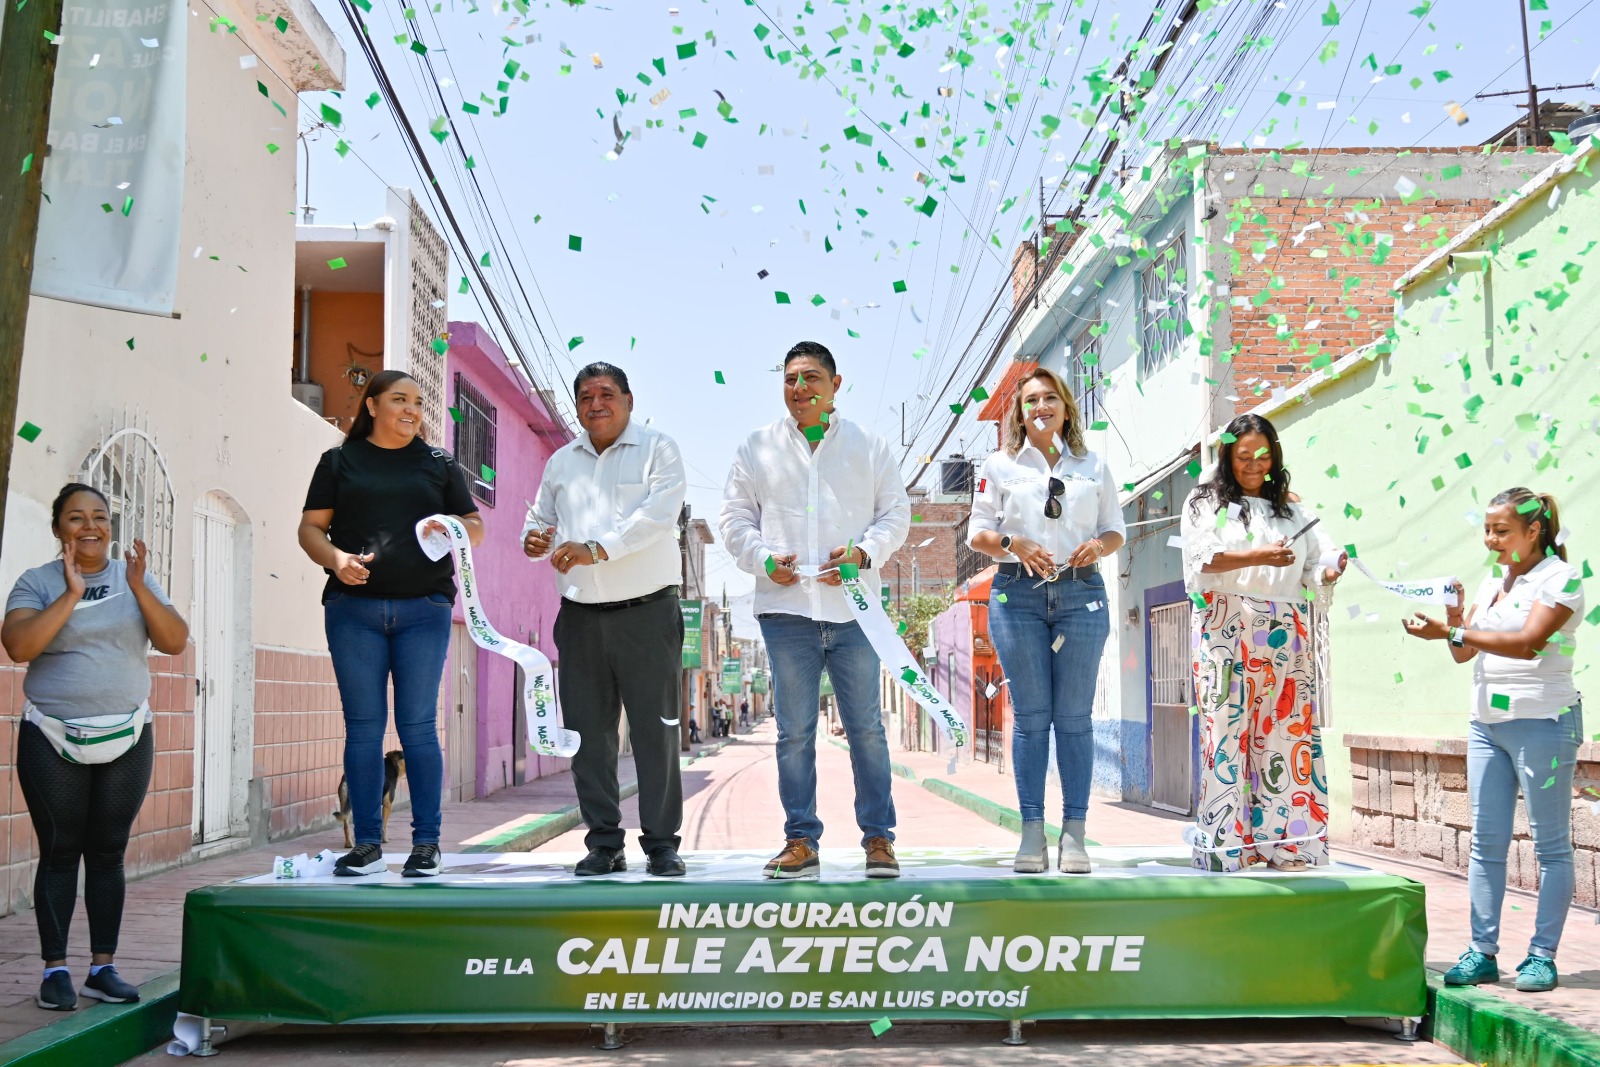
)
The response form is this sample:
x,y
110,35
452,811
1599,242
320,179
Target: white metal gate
x,y
213,629
1171,683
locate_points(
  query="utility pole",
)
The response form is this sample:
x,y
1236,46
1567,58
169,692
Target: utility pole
x,y
1527,67
27,78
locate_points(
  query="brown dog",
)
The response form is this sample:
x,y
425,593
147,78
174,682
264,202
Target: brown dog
x,y
394,765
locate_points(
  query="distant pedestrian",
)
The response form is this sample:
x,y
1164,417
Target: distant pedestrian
x,y
1527,724
606,516
83,624
387,607
1249,555
815,490
1047,508
694,732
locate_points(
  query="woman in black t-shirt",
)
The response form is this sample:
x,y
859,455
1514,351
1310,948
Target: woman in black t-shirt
x,y
387,606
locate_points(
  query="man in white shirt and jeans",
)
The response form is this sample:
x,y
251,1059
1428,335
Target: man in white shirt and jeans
x,y
605,516
806,494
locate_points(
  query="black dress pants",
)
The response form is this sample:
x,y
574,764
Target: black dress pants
x,y
614,659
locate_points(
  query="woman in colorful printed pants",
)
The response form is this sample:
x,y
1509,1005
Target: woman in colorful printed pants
x,y
1249,561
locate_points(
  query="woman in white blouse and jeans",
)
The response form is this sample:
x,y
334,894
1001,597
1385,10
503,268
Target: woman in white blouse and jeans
x,y
1250,563
1527,723
1047,508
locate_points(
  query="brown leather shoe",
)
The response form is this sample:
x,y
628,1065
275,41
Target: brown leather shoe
x,y
880,859
797,860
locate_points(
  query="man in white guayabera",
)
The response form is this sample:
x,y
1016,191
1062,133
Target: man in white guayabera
x,y
605,516
806,494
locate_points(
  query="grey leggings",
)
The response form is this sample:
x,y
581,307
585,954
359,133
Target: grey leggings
x,y
81,812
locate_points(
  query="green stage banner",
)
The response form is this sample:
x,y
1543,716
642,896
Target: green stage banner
x,y
758,682
691,632
1160,946
732,674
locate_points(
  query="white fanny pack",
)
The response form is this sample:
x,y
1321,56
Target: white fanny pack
x,y
95,739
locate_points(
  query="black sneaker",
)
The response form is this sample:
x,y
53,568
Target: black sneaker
x,y
363,859
423,862
56,993
108,986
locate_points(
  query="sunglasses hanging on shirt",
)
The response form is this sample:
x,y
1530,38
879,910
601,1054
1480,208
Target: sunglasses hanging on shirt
x,y
1052,506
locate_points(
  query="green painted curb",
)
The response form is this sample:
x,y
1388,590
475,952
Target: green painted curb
x,y
104,1033
1483,1028
529,834
981,806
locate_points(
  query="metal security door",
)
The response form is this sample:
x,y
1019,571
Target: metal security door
x,y
214,529
461,730
988,720
1171,674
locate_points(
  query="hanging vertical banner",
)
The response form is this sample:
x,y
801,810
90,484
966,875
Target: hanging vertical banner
x,y
113,181
732,674
692,610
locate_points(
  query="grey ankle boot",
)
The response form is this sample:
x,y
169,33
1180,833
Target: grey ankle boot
x,y
1074,858
1034,854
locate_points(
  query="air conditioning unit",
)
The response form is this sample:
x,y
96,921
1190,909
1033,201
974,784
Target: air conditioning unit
x,y
309,394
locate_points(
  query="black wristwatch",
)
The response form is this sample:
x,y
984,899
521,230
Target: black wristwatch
x,y
1005,542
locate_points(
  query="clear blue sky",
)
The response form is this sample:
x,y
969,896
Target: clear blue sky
x,y
673,235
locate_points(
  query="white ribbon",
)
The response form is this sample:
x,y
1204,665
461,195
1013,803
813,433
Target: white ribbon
x,y
892,651
546,735
1424,590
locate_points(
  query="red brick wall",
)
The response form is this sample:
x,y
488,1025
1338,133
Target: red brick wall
x,y
936,564
299,739
161,832
1305,287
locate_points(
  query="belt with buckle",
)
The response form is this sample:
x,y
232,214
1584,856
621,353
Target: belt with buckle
x,y
1070,574
618,605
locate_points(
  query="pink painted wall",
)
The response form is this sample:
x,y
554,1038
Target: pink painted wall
x,y
520,596
952,632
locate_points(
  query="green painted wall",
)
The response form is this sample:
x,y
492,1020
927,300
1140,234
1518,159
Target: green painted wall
x,y
1357,444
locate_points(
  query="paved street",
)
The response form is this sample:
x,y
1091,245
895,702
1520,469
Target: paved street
x,y
1248,1043
731,802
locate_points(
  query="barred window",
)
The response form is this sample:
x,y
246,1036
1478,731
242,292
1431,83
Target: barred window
x,y
1084,374
475,439
1164,306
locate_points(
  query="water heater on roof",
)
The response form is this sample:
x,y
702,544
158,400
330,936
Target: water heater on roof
x,y
955,476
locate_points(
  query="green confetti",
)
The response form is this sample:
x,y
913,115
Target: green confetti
x,y
1500,702
29,432
127,207
439,345
574,243
771,564
717,376
272,149
331,116
1549,782
899,287
781,296
487,472
337,263
455,415
881,1027
574,343
1398,678
928,207
980,393
815,433
1330,17
1000,597
908,675
129,343
699,140
282,24
27,163
1463,461
372,101
687,50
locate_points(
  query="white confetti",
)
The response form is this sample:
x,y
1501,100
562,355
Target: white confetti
x,y
1055,646
926,543
1404,186
1175,541
247,62
150,42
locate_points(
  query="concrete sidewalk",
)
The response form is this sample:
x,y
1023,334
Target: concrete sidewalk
x,y
152,925
1576,1001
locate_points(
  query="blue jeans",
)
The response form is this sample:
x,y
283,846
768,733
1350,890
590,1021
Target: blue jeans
x,y
1541,755
800,649
371,639
1052,686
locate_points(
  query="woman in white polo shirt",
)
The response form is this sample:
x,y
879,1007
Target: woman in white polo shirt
x,y
1047,508
1527,723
